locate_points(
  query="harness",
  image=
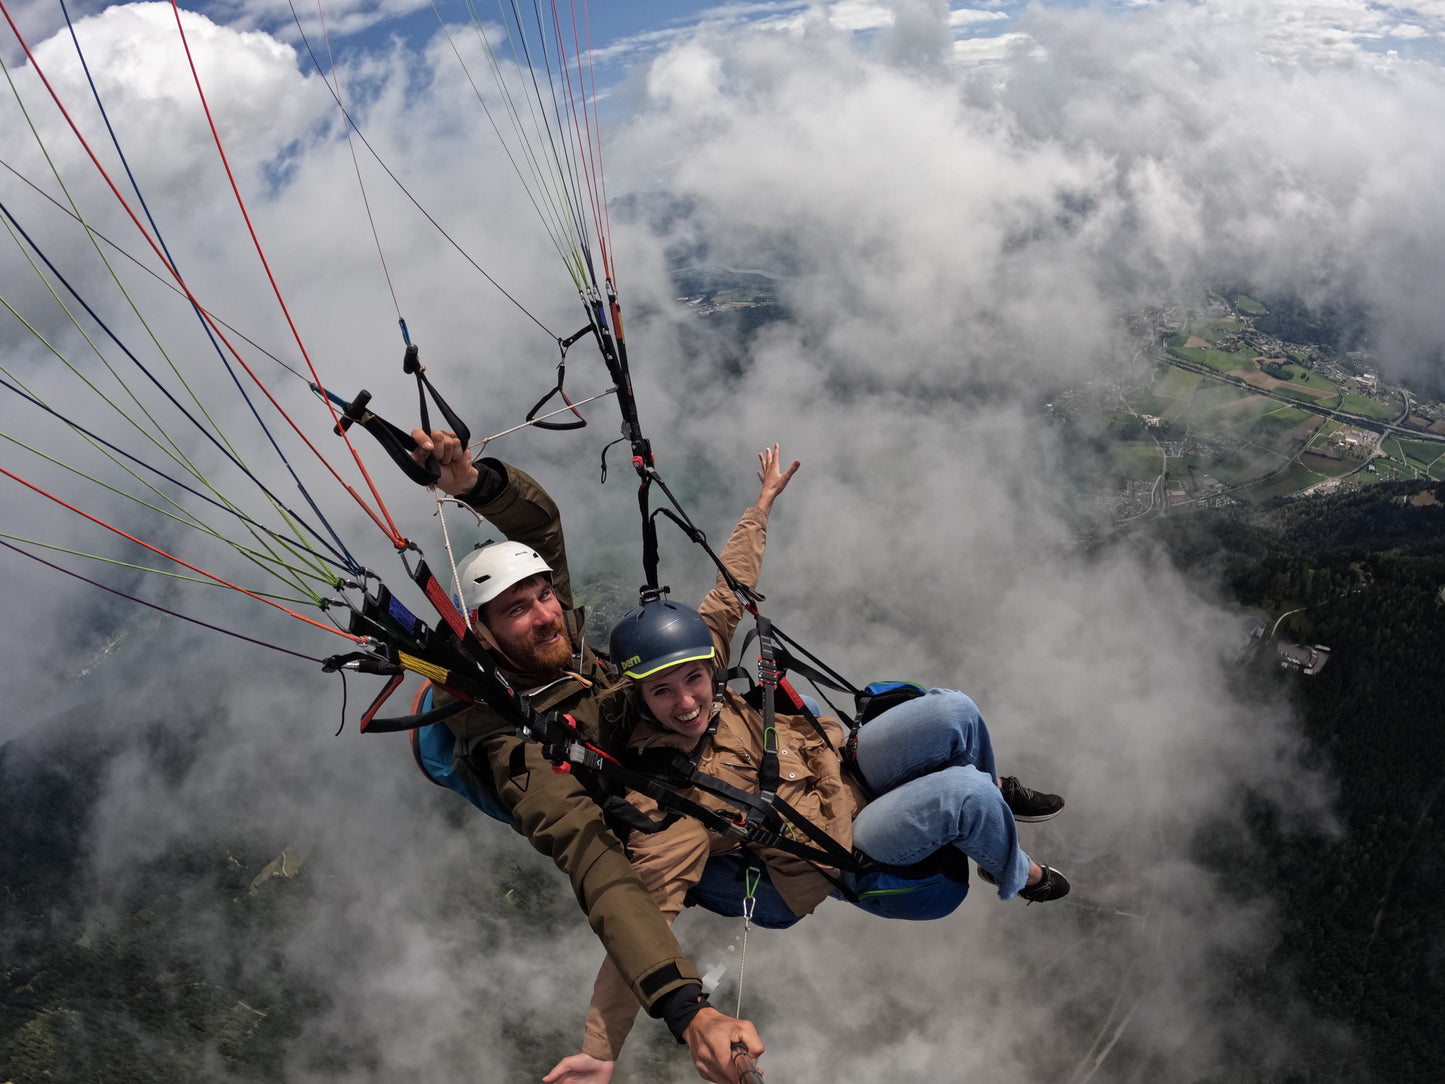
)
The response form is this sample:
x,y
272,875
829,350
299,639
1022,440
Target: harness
x,y
452,658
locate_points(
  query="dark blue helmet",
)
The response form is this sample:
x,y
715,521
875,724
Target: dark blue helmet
x,y
656,635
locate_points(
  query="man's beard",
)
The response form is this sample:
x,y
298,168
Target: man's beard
x,y
531,656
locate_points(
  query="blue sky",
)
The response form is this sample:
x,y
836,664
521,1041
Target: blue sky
x,y
626,31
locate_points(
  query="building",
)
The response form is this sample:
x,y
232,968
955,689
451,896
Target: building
x,y
1308,660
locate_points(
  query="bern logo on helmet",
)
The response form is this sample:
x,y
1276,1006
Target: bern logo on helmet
x,y
627,664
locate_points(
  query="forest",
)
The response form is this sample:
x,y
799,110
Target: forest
x,y
1363,936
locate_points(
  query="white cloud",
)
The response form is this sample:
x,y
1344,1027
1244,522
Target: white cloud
x,y
860,14
1407,32
972,16
974,51
950,246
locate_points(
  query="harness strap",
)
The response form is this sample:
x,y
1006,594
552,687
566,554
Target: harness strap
x,y
411,365
768,679
579,422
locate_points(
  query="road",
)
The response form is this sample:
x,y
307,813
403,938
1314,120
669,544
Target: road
x,y
1375,424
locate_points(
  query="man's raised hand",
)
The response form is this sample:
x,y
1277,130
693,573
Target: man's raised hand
x,y
457,473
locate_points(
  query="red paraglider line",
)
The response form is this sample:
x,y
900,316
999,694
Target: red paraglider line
x,y
184,564
386,527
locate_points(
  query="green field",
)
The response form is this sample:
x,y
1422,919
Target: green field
x,y
1300,394
1213,393
1291,416
1271,426
1311,379
1249,306
1241,467
1218,360
1420,457
1422,451
1291,481
1366,407
1177,384
1137,461
1214,330
1330,468
1151,403
1247,415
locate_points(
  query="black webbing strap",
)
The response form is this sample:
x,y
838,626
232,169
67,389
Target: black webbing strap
x,y
395,441
762,821
414,722
764,829
558,389
411,365
768,680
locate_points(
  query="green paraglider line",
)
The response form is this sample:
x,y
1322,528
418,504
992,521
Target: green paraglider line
x,y
161,609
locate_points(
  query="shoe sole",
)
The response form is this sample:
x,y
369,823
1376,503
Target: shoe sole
x,y
1038,817
1035,818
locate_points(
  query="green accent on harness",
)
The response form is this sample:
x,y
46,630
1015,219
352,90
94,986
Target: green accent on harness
x,y
891,891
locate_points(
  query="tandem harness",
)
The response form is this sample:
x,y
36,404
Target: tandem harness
x,y
452,658
763,819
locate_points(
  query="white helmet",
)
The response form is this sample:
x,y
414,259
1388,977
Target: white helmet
x,y
493,567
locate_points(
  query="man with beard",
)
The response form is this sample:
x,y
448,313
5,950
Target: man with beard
x,y
518,597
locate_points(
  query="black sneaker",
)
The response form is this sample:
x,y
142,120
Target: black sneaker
x,y
1052,885
1026,804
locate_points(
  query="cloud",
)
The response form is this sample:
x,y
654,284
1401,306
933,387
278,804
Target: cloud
x,y
950,245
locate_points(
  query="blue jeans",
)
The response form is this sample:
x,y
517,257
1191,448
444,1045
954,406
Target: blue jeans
x,y
887,895
930,761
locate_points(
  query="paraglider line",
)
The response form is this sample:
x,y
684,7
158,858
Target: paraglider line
x,y
390,527
407,192
386,528
171,286
350,146
153,606
351,563
210,334
335,558
171,557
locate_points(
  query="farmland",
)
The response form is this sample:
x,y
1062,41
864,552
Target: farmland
x,y
1230,415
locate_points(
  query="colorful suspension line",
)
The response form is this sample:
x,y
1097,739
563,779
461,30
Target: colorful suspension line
x,y
333,558
342,554
351,122
381,519
171,557
161,609
590,149
54,547
389,527
546,191
351,147
160,239
121,251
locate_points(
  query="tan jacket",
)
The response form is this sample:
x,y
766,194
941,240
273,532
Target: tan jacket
x,y
811,780
552,810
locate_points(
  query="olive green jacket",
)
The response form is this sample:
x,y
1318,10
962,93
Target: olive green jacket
x,y
553,810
